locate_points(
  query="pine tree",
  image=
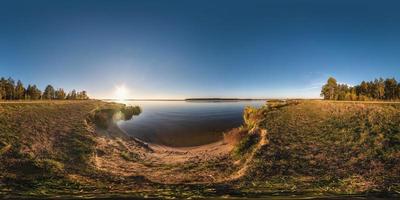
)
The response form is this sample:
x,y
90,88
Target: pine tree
x,y
72,95
49,92
390,88
2,88
10,87
33,92
19,91
60,94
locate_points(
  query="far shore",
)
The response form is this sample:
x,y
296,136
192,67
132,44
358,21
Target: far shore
x,y
196,100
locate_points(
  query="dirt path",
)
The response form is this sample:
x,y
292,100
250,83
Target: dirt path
x,y
246,163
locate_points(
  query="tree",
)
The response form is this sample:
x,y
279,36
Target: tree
x,y
82,95
33,92
390,88
351,94
49,92
398,91
363,89
9,87
60,94
72,95
379,89
10,91
2,88
329,89
342,90
19,92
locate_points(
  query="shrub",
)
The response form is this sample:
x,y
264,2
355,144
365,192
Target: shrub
x,y
129,111
235,135
130,156
246,145
50,166
103,117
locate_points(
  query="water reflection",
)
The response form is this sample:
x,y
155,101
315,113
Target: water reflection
x,y
181,123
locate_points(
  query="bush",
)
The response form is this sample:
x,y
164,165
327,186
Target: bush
x,y
252,117
50,166
102,117
246,145
235,135
129,111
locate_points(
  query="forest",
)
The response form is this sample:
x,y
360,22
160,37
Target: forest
x,y
380,89
9,90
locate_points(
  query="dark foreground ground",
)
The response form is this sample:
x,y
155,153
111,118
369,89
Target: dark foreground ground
x,y
295,149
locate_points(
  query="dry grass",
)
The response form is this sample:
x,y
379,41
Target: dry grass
x,y
51,147
345,147
45,140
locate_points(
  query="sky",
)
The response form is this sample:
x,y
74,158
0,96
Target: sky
x,y
199,48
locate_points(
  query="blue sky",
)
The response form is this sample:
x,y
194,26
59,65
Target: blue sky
x,y
199,48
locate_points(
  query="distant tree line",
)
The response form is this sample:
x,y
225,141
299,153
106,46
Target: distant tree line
x,y
9,90
379,89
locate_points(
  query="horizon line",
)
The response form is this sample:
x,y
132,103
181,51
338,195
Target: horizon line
x,y
200,99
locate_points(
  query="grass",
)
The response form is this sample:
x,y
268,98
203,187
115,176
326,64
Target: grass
x,y
246,145
130,156
46,140
330,146
47,149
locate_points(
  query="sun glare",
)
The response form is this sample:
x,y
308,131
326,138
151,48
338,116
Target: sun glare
x,y
121,92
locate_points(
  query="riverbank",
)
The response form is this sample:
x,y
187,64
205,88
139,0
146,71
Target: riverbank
x,y
301,148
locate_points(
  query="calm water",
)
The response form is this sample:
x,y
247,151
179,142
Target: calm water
x,y
181,123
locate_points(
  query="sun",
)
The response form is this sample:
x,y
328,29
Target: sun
x,y
121,92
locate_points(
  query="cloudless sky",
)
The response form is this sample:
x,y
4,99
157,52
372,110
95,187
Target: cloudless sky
x,y
199,48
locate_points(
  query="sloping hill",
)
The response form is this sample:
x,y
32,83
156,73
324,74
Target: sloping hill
x,y
320,146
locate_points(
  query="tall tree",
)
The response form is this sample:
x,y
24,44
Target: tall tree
x,y
33,92
49,92
379,88
10,87
19,91
390,88
60,94
82,95
2,88
363,89
329,90
342,90
72,95
398,91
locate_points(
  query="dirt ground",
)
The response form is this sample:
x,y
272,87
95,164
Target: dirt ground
x,y
162,164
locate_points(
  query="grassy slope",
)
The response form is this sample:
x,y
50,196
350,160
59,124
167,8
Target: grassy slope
x,y
337,147
42,143
313,147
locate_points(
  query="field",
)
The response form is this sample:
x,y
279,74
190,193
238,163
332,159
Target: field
x,y
337,147
301,148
